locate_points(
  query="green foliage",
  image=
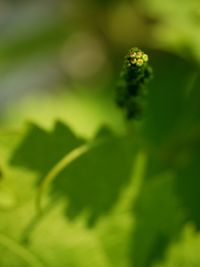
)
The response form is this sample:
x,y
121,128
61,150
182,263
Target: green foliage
x,y
179,34
80,186
112,197
185,251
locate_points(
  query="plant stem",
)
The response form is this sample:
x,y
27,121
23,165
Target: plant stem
x,y
32,225
63,163
20,251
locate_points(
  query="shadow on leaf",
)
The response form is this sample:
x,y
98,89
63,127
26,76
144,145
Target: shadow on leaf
x,y
40,150
94,181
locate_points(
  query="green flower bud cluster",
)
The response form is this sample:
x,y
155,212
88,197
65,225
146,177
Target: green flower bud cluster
x,y
138,58
135,74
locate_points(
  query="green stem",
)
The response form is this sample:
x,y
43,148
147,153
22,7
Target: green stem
x,y
139,173
132,191
32,225
52,174
20,251
63,163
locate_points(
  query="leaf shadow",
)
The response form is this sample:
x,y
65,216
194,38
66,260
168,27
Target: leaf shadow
x,y
40,150
93,182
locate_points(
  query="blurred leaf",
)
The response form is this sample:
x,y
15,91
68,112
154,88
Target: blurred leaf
x,y
159,218
184,252
55,240
171,132
180,34
188,186
167,98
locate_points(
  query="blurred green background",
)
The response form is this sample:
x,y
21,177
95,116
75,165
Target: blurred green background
x,y
132,202
51,47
